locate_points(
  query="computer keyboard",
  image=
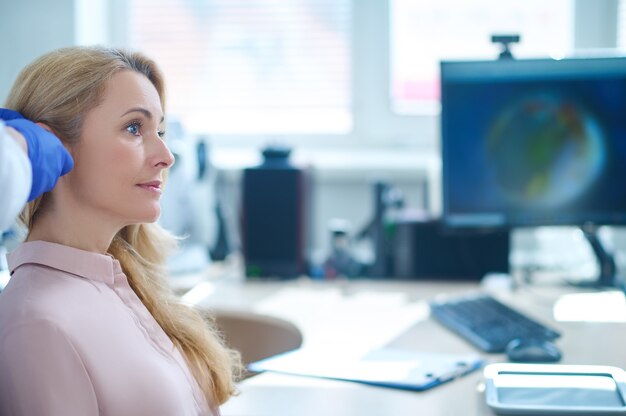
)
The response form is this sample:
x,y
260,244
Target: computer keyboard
x,y
487,323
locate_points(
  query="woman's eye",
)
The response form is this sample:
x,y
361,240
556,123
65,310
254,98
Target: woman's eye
x,y
161,133
134,128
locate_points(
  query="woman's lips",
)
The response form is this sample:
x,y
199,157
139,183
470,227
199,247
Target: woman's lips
x,y
154,186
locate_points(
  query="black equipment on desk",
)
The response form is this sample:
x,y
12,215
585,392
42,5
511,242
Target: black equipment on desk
x,y
427,249
275,217
487,323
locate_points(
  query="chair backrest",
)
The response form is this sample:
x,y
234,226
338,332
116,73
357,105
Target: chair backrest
x,y
254,335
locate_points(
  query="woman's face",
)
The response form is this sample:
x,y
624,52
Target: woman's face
x,y
121,156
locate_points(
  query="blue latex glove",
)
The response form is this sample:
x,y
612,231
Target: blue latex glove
x,y
48,158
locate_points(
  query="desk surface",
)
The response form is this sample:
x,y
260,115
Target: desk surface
x,y
276,394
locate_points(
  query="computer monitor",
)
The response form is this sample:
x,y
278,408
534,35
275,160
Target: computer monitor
x,y
534,142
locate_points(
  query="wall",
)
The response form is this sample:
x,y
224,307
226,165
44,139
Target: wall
x,y
596,25
28,29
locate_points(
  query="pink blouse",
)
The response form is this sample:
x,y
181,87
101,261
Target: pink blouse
x,y
75,340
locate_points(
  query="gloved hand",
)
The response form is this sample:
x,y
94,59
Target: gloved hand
x,y
48,158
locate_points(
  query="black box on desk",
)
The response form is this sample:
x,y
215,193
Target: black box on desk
x,y
275,223
428,249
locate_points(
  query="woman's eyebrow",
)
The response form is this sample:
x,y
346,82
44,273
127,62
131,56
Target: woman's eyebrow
x,y
143,111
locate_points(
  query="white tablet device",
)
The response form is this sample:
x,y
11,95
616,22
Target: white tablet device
x,y
555,389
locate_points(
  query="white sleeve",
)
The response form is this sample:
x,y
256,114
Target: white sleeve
x,y
15,179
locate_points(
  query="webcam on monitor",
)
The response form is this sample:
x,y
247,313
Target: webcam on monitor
x,y
505,41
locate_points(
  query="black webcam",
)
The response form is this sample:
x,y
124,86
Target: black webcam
x,y
505,41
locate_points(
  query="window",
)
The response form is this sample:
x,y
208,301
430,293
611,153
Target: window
x,y
251,66
425,32
337,72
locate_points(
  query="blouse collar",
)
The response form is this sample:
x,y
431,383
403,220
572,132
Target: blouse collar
x,y
92,266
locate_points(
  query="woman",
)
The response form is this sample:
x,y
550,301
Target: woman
x,y
87,323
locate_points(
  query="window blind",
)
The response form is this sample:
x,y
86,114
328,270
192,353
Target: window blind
x,y
251,66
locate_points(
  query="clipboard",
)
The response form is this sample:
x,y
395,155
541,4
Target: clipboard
x,y
385,367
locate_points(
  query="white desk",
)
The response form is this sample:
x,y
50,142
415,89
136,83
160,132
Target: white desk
x,y
274,394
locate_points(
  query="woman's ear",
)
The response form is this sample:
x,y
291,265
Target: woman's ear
x,y
45,127
48,128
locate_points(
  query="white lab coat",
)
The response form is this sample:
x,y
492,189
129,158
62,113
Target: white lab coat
x,y
15,179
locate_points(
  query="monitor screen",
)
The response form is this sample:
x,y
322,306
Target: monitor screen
x,y
534,142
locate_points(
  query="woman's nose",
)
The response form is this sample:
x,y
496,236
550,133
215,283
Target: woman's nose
x,y
163,157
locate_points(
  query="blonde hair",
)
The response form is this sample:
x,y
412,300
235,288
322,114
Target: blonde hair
x,y
58,89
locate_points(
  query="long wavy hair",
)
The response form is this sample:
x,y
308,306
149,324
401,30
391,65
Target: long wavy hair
x,y
59,89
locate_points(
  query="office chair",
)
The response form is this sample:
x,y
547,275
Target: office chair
x,y
254,335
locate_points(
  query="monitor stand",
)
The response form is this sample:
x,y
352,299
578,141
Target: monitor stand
x,y
606,262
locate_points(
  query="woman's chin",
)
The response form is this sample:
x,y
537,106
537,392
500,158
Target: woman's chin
x,y
154,217
149,215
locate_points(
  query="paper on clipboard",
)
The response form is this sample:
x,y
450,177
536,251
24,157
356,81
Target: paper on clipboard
x,y
386,367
